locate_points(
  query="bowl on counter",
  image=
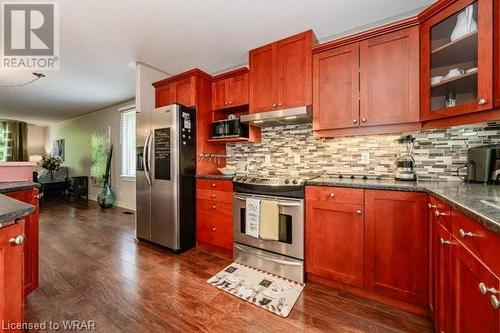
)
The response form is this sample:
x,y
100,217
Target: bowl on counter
x,y
228,170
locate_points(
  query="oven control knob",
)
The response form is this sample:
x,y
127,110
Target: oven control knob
x,y
287,181
295,182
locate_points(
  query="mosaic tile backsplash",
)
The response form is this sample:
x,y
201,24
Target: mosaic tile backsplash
x,y
293,150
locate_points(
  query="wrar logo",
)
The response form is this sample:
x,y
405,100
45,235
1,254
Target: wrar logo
x,y
30,38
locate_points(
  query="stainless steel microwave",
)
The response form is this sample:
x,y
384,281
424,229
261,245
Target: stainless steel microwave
x,y
229,128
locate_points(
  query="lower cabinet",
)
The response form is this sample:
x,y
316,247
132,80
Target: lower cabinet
x,y
335,242
31,255
476,298
214,213
11,274
378,245
397,238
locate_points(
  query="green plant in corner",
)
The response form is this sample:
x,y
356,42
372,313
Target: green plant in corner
x,y
106,197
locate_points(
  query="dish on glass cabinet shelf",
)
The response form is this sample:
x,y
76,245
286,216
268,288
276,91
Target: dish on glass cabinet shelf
x,y
228,170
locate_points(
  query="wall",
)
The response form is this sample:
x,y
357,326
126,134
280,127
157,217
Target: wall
x,y
77,135
293,150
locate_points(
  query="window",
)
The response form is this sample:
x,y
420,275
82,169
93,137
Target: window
x,y
127,140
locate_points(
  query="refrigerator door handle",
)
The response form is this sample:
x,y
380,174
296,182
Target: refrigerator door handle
x,y
146,154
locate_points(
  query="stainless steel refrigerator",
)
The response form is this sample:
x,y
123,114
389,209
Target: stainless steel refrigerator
x,y
165,178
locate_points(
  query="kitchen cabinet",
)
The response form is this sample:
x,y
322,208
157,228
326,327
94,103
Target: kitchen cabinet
x,y
214,213
336,88
397,236
31,244
456,63
12,274
281,74
230,89
442,281
475,301
335,241
367,86
180,91
496,56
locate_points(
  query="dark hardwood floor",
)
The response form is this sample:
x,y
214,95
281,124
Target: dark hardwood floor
x,y
92,268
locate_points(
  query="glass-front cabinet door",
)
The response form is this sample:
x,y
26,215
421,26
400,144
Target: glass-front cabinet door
x,y
457,52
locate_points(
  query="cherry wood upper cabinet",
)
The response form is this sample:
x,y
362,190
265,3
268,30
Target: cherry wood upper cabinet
x,y
185,91
474,310
31,243
230,89
397,236
280,73
496,59
165,95
460,59
389,69
11,275
336,88
335,241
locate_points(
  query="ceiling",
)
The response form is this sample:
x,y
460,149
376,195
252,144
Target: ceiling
x,y
99,39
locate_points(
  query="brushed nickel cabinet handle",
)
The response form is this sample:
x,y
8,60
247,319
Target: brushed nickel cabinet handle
x,y
280,104
444,241
439,214
213,185
494,302
363,120
359,211
39,196
214,196
214,229
354,121
431,206
482,101
331,195
213,207
18,240
465,234
484,289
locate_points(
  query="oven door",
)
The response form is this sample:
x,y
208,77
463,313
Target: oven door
x,y
291,219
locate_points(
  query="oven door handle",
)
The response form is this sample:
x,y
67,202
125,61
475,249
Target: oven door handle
x,y
280,203
282,262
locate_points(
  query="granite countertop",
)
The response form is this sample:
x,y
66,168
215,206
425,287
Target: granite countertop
x,y
464,197
12,209
216,177
6,187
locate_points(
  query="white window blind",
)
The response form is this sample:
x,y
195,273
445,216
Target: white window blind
x,y
127,140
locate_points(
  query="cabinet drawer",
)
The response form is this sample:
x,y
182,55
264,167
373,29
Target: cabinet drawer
x,y
484,244
218,185
442,213
214,223
335,194
218,196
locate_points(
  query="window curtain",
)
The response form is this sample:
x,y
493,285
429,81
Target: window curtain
x,y
13,141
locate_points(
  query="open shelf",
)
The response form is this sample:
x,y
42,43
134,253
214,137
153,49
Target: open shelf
x,y
457,84
228,140
462,50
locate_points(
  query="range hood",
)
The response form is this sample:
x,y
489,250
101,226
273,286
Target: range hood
x,y
292,116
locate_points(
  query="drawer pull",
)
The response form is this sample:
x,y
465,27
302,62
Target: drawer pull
x,y
214,229
431,206
214,196
39,195
332,195
444,241
482,101
359,211
465,234
483,289
214,185
439,214
495,304
18,240
213,207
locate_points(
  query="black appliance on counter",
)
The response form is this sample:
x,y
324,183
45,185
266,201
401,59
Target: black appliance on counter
x,y
483,164
229,128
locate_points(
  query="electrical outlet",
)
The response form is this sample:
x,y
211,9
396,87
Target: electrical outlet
x,y
267,159
365,158
296,159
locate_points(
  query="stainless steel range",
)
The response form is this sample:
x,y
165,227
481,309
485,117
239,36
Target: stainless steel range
x,y
283,257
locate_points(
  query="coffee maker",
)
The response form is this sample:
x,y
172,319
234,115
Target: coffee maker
x,y
483,164
405,162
